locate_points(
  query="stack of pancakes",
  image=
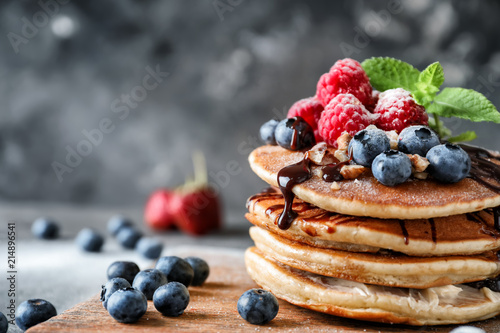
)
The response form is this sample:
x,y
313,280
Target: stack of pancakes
x,y
407,254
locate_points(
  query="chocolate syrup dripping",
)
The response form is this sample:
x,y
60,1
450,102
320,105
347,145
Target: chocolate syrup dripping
x,y
267,194
496,218
331,172
405,232
433,229
288,177
481,166
302,137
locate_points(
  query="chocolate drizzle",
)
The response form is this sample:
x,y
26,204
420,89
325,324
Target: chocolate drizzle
x,y
433,230
482,167
404,231
288,177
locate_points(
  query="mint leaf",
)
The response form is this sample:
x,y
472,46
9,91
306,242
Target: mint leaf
x,y
465,136
429,82
389,73
432,76
464,103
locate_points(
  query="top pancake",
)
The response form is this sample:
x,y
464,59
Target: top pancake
x,y
365,196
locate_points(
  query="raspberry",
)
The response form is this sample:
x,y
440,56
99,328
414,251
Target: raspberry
x,y
397,110
345,77
310,110
344,113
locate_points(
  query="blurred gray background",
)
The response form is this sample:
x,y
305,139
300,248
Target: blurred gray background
x,y
68,68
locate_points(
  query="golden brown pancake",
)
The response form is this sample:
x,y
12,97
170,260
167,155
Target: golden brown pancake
x,y
365,196
387,269
463,234
451,304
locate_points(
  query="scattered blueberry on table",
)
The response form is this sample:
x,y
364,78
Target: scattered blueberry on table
x,y
149,247
32,312
4,323
128,237
127,305
90,240
45,228
200,268
110,287
118,222
258,306
171,299
124,269
176,269
148,280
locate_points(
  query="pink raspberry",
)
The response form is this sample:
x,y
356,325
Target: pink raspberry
x,y
345,77
310,110
344,113
396,110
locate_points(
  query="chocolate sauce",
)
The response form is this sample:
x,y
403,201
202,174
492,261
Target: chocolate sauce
x,y
475,217
482,168
433,229
496,218
302,134
288,177
404,231
331,172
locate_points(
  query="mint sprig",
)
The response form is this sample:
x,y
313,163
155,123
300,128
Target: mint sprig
x,y
389,73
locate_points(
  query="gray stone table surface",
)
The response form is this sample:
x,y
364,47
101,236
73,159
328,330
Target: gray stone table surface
x,y
59,272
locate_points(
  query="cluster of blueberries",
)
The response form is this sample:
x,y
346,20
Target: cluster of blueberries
x,y
90,240
126,293
448,163
291,133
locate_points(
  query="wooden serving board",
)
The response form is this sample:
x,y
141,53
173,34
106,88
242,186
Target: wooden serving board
x,y
213,309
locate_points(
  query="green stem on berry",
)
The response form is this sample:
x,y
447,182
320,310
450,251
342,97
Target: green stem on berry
x,y
200,168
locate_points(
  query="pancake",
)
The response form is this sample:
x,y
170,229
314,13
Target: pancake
x,y
365,196
452,304
387,269
463,234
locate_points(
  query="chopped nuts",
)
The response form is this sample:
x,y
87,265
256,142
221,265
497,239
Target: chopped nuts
x,y
418,162
343,141
352,171
393,138
335,186
320,154
341,155
420,175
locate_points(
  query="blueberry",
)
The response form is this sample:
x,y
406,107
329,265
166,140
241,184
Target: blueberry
x,y
391,167
127,305
200,268
267,132
124,269
176,269
367,144
149,247
148,280
448,163
294,134
89,240
128,237
32,312
110,287
4,324
171,299
467,329
117,222
417,140
258,306
45,228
